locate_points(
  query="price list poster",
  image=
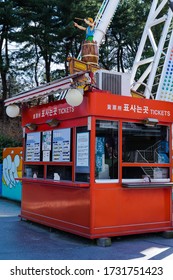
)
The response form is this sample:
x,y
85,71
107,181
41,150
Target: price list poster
x,y
61,145
33,146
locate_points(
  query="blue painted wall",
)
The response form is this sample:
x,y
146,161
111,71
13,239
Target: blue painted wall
x,y
0,179
12,169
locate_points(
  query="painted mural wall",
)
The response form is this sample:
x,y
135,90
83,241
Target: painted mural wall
x,y
12,169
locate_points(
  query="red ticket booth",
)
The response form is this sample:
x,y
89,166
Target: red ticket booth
x,y
100,169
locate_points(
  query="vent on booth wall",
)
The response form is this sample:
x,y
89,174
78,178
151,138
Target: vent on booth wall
x,y
116,83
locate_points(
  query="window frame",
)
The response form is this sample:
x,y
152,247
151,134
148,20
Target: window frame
x,y
154,165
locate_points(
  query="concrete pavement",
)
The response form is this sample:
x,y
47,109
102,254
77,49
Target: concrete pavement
x,y
23,240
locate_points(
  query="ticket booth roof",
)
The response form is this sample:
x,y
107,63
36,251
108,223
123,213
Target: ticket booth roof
x,y
45,90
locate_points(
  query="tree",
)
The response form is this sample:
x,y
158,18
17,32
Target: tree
x,y
45,33
124,34
69,38
7,23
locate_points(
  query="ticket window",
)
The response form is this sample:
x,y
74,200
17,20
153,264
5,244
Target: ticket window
x,y
48,155
145,145
106,155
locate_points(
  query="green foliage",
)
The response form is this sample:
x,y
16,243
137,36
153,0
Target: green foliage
x,y
8,142
45,36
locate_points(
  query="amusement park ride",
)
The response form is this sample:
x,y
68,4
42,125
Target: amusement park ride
x,y
98,159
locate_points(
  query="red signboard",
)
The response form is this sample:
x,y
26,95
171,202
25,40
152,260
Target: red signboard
x,y
102,104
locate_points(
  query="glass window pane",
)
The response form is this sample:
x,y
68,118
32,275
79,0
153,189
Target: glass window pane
x,y
145,144
145,173
57,172
34,171
106,150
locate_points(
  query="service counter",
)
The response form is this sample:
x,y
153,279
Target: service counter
x,y
104,169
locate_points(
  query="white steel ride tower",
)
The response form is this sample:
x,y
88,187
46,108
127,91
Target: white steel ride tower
x,y
103,19
158,75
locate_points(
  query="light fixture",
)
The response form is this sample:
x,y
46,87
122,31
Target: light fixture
x,y
53,122
150,122
31,126
74,97
12,111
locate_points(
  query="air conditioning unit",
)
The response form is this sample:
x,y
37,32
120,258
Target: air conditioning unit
x,y
115,82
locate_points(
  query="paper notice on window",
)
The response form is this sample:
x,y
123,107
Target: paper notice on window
x,y
82,154
46,140
46,155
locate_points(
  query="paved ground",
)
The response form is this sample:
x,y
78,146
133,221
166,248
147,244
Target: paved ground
x,y
21,240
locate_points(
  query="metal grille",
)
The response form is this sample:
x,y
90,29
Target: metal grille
x,y
110,82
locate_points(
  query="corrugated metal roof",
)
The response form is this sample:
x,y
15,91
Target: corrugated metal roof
x,y
45,90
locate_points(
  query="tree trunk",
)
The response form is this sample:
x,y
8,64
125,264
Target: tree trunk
x,y
4,66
